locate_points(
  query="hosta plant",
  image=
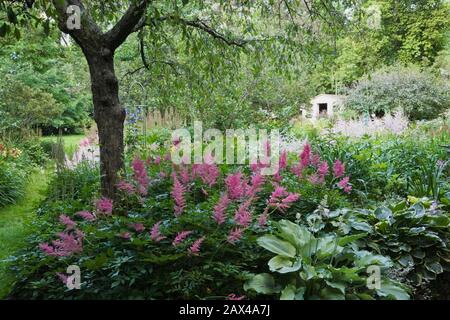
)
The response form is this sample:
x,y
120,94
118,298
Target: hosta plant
x,y
321,267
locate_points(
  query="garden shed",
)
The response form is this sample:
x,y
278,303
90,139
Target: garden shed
x,y
324,105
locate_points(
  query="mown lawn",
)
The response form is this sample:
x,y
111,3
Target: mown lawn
x,y
15,224
71,142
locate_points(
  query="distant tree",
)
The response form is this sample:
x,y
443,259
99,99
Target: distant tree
x,y
418,94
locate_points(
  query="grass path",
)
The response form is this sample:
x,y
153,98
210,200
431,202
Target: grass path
x,y
15,223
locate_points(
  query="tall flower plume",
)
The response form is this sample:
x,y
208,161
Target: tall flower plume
x,y
69,243
155,233
305,155
235,185
220,209
338,169
178,191
104,206
235,235
140,175
195,248
243,217
180,237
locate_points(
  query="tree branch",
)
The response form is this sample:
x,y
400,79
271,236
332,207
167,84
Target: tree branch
x,y
88,36
127,24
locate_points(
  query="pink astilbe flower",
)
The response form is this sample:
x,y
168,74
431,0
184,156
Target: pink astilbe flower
x,y
344,184
162,175
184,176
316,179
181,236
208,173
67,244
323,169
155,233
125,187
243,217
125,235
63,277
257,181
157,160
234,297
195,248
235,235
283,160
177,193
235,185
262,220
315,160
281,199
69,223
84,143
220,209
86,215
305,155
338,169
138,227
104,206
278,193
47,249
140,175
167,157
297,170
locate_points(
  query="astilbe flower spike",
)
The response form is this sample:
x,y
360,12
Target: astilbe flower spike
x,y
69,243
344,184
86,215
155,233
180,237
281,199
235,185
69,223
283,160
178,191
323,169
338,169
257,181
104,206
219,214
140,175
235,235
138,227
305,155
243,217
125,187
234,297
195,248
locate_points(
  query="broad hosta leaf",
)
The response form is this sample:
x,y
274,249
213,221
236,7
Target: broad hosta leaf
x,y
284,265
392,290
406,260
365,258
337,285
434,267
275,245
327,247
290,292
384,213
345,240
294,233
262,283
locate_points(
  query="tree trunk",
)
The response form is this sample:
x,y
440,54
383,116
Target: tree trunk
x,y
109,116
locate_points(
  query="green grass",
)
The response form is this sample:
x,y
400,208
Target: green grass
x,y
71,142
15,224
